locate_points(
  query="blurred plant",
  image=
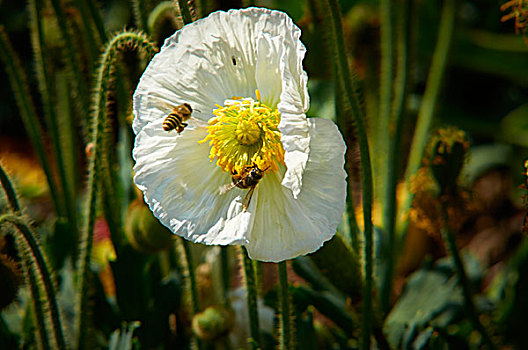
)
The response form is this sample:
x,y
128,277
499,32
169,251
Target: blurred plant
x,y
519,11
112,276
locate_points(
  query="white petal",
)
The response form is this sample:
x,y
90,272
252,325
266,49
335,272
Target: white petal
x,y
211,60
182,187
285,227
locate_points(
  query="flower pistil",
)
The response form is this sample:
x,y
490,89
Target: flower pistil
x,y
244,133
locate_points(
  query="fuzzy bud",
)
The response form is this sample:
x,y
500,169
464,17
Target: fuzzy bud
x,y
213,323
144,232
11,278
447,153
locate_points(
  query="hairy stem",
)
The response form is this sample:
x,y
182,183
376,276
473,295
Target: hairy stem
x,y
185,12
286,339
121,41
251,294
430,98
394,153
43,75
37,262
335,24
28,113
9,190
471,311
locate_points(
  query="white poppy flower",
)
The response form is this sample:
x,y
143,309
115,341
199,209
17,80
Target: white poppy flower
x,y
241,73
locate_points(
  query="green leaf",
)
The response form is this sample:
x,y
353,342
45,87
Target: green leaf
x,y
427,294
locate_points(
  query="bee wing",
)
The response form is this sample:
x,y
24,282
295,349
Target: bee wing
x,y
224,189
247,198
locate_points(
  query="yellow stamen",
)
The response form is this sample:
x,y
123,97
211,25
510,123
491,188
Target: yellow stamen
x,y
245,133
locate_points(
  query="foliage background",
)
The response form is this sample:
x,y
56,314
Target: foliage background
x,y
141,273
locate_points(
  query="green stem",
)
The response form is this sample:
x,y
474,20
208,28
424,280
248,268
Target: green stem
x,y
191,276
471,311
344,121
203,8
251,293
394,151
96,17
334,20
9,190
226,276
286,340
38,262
119,42
28,113
184,10
384,124
73,59
431,94
140,14
88,31
38,309
52,120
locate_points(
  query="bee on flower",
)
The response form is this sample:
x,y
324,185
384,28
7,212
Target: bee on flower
x,y
248,168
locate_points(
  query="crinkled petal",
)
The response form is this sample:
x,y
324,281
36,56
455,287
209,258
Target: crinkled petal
x,y
215,58
182,187
285,227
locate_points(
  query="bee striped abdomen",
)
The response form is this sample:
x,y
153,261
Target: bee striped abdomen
x,y
176,119
172,122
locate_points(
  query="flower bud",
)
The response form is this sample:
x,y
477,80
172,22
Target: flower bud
x,y
11,278
213,323
144,232
447,153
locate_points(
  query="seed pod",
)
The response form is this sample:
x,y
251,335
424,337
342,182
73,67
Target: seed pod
x,y
144,232
11,278
447,153
213,323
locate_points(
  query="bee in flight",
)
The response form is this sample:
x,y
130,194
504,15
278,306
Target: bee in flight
x,y
247,180
177,118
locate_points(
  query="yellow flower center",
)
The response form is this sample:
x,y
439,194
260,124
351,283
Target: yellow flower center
x,y
244,133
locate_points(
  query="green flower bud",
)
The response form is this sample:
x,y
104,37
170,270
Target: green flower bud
x,y
213,323
143,231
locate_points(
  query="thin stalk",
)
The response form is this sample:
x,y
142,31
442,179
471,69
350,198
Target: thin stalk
x,y
28,113
184,10
335,24
119,42
67,130
251,293
73,60
9,190
203,8
36,299
191,276
95,15
384,123
286,339
88,31
394,154
140,15
431,94
224,260
38,262
38,309
344,121
471,311
52,120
